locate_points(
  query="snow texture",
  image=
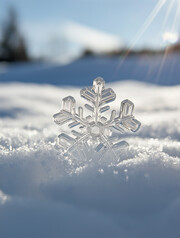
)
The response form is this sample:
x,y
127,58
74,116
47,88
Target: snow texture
x,y
45,194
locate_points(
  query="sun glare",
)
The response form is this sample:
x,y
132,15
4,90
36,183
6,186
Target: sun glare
x,y
169,32
170,37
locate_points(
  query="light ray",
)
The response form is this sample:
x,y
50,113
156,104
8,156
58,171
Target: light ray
x,y
162,63
176,18
144,27
173,29
146,24
148,21
172,2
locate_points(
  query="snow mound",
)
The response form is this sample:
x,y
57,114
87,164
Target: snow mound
x,y
44,194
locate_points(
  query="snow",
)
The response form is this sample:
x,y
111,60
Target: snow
x,y
44,194
151,69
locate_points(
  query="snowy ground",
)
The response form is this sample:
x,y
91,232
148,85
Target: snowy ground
x,y
43,194
151,69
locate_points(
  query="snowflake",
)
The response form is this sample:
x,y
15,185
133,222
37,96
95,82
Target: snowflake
x,y
95,130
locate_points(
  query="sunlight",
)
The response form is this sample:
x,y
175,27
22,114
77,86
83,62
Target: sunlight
x,y
167,36
169,9
148,21
173,7
170,37
143,29
146,24
176,17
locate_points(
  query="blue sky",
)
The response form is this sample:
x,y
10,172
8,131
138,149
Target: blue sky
x,y
120,18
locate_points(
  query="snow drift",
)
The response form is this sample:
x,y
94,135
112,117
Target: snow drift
x,y
43,194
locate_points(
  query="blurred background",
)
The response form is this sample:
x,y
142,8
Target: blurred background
x,y
70,42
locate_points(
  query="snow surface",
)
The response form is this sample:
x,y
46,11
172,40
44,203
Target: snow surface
x,y
151,69
43,194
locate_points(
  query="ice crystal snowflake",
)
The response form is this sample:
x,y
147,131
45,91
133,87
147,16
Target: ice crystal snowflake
x,y
95,130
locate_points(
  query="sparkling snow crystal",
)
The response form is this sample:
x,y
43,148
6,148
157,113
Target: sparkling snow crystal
x,y
95,131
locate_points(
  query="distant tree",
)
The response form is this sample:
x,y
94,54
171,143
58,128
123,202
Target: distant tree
x,y
87,53
12,45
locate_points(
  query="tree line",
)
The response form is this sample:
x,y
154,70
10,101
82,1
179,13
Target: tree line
x,y
13,47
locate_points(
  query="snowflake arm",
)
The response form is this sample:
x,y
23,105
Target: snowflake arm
x,y
68,115
125,120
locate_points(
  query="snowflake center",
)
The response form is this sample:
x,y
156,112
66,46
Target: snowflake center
x,y
95,130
